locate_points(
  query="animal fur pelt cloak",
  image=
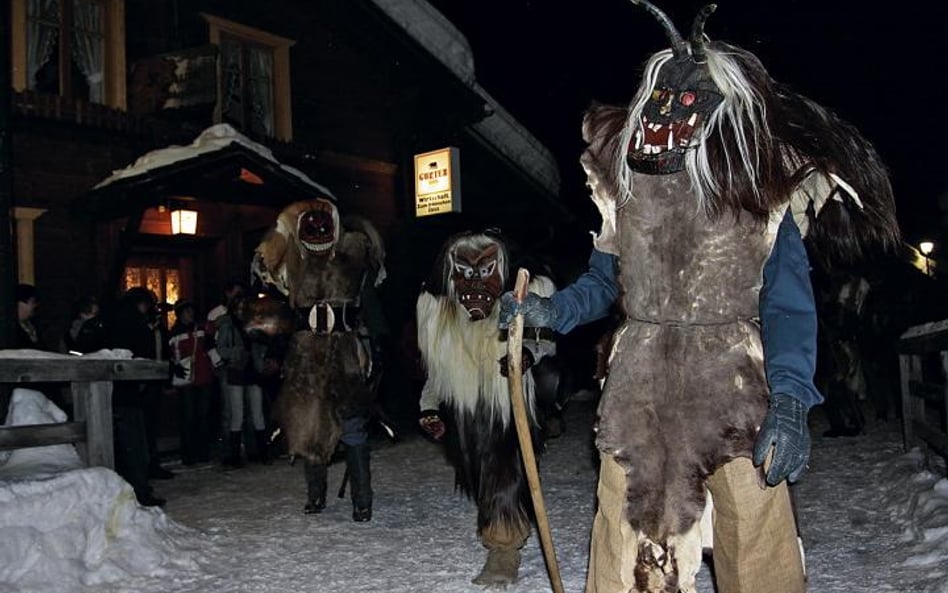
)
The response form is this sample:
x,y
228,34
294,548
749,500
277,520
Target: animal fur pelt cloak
x,y
321,264
692,208
461,350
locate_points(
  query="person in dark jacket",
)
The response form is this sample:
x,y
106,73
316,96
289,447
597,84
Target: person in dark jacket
x,y
87,332
27,301
131,328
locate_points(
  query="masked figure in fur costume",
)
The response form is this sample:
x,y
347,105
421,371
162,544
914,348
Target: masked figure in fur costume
x,y
705,183
466,400
321,265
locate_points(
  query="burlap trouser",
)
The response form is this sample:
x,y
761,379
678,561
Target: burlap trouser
x,y
504,534
755,538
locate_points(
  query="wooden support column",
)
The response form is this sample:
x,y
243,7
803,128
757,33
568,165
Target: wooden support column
x,y
92,404
8,319
25,243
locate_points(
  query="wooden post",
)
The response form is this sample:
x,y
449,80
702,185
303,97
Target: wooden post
x,y
92,404
908,435
8,313
91,381
944,411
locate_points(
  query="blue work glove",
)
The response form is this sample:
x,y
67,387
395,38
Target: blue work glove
x,y
785,428
537,311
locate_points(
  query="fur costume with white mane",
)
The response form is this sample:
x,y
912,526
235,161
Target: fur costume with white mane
x,y
463,353
692,205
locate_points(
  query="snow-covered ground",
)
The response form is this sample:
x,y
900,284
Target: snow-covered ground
x,y
872,518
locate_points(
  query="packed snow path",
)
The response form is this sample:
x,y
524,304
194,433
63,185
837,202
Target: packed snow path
x,y
854,508
873,521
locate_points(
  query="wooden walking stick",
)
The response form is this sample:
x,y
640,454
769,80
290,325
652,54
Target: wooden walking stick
x,y
519,406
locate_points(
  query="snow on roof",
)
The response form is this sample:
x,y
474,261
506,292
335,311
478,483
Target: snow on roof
x,y
514,141
442,39
924,329
435,32
213,139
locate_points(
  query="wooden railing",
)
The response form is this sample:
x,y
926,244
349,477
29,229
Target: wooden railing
x,y
91,429
57,108
51,107
923,361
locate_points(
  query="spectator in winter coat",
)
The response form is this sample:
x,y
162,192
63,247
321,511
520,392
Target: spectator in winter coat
x,y
232,289
27,301
130,328
87,332
191,355
240,381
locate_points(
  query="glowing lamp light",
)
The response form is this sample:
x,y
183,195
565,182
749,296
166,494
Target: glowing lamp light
x,y
926,247
184,222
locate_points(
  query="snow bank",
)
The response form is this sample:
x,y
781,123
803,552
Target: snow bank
x,y
918,502
64,527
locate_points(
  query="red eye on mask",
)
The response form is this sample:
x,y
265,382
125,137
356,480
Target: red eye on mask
x,y
687,98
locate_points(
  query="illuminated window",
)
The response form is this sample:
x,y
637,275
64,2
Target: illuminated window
x,y
164,282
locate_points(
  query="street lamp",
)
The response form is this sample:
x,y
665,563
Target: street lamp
x,y
926,247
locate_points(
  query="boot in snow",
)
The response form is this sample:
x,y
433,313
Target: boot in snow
x,y
315,487
357,462
263,447
500,569
233,458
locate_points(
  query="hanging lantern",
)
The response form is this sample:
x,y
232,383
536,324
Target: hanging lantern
x,y
184,222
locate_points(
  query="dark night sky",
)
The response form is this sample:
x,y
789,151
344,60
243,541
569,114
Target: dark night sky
x,y
883,69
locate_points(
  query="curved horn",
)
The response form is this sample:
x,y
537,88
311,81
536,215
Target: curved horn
x,y
679,47
697,32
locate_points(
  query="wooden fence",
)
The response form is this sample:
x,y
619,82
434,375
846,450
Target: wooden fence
x,y
91,428
923,361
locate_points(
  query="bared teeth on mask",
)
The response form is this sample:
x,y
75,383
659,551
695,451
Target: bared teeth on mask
x,y
692,119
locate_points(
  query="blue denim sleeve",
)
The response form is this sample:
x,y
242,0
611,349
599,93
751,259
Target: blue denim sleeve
x,y
590,296
788,317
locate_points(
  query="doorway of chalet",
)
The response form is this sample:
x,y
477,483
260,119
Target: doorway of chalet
x,y
170,277
165,275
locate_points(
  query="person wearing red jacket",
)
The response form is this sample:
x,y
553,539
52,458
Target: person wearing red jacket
x,y
193,354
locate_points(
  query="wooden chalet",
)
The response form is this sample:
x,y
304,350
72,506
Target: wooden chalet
x,y
335,95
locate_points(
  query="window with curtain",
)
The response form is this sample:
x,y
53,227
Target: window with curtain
x,y
66,48
247,85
